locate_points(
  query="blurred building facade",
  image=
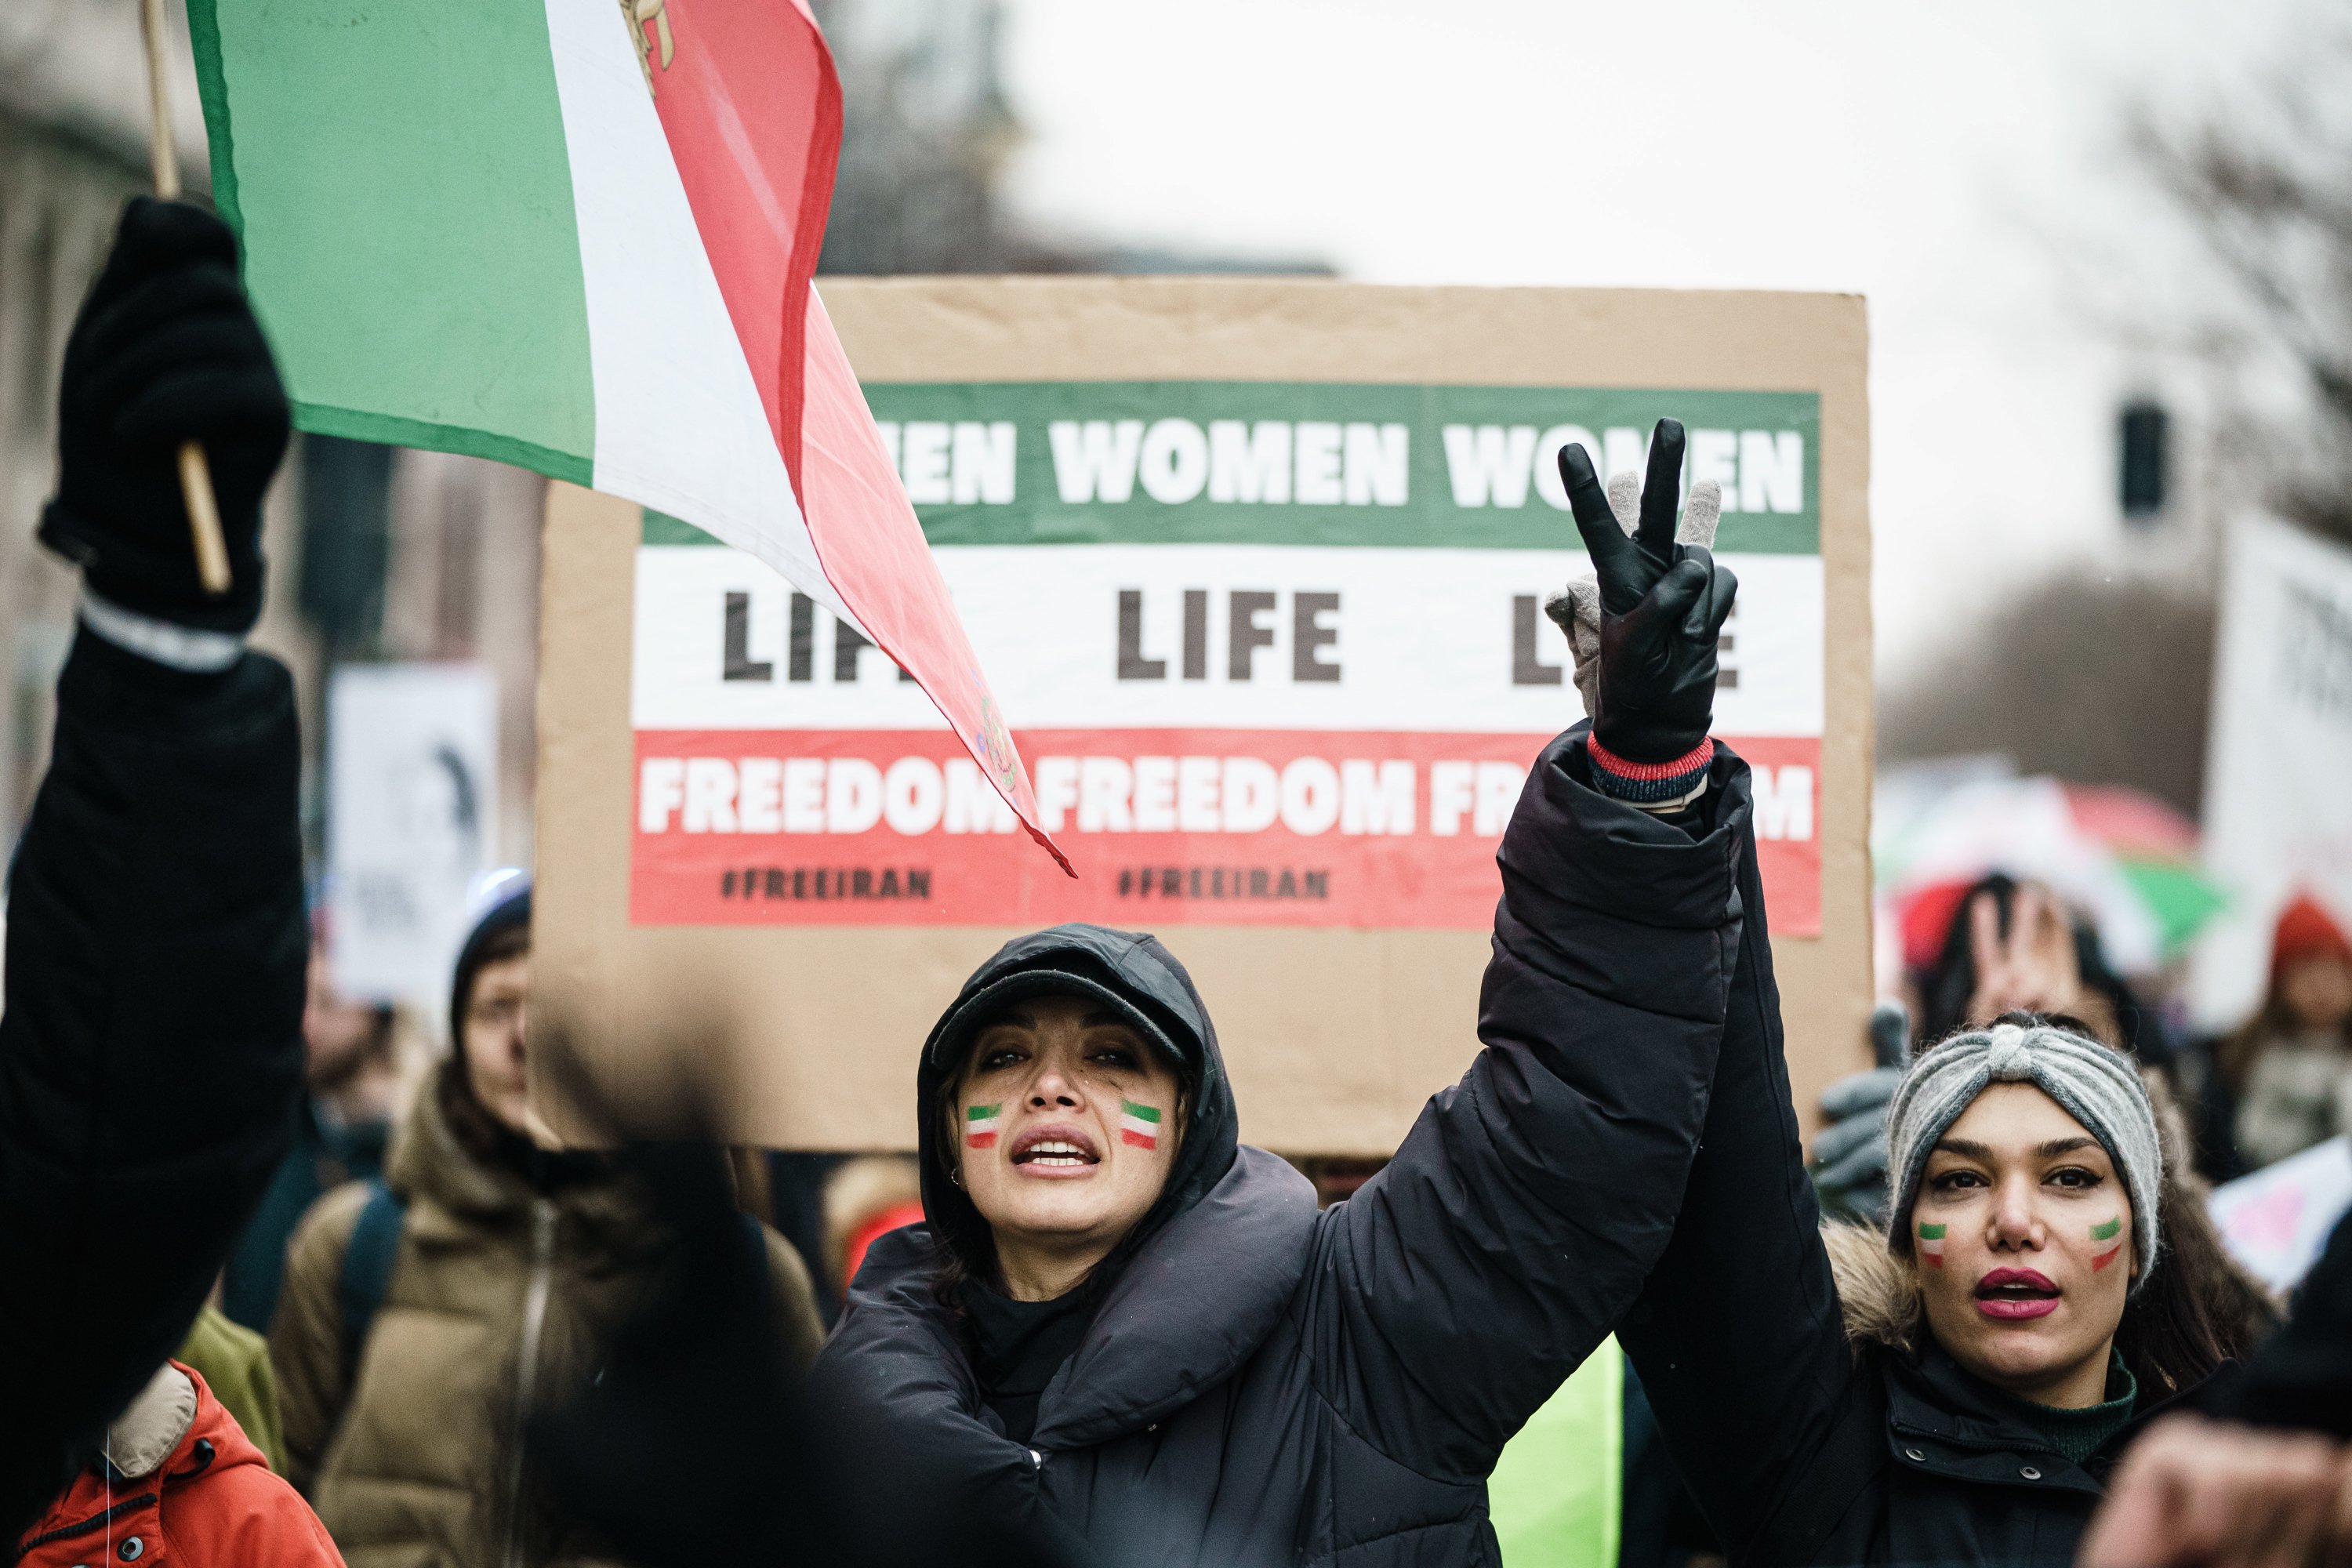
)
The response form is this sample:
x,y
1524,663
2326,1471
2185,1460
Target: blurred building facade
x,y
374,552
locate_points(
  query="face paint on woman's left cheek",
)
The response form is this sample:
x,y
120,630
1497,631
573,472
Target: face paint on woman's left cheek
x,y
2107,1232
981,1125
1931,1245
1139,1124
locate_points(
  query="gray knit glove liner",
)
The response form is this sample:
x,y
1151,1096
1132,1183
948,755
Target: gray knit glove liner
x,y
1576,611
1849,1163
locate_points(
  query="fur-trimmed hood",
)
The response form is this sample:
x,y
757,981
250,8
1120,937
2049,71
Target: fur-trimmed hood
x,y
1877,1296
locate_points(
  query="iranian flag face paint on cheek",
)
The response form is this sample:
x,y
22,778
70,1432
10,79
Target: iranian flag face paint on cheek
x,y
980,1125
2107,1232
1138,1125
1931,1245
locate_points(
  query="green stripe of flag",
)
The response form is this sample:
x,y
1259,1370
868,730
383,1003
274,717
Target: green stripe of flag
x,y
2102,1232
401,179
1931,1233
982,1112
1141,1112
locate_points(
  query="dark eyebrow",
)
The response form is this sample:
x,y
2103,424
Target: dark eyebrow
x,y
2057,1146
1964,1148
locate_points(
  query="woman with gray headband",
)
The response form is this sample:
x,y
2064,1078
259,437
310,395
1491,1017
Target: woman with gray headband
x,y
1955,1389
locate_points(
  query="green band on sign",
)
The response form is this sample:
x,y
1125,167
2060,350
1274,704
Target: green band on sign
x,y
1235,462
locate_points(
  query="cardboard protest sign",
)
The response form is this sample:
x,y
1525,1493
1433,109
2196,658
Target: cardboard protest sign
x,y
1257,570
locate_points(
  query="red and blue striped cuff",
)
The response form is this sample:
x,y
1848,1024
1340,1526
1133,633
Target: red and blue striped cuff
x,y
1648,783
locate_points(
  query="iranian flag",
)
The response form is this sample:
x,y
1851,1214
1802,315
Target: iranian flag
x,y
579,235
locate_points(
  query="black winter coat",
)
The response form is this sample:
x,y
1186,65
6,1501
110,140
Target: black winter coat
x,y
1266,1384
1798,1449
152,1045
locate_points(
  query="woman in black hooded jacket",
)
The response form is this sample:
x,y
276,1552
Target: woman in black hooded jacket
x,y
1123,1337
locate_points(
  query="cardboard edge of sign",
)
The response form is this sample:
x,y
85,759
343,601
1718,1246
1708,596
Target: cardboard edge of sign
x,y
759,1033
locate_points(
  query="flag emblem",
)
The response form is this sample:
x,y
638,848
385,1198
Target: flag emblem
x,y
1138,1125
1931,1245
981,1125
2107,1232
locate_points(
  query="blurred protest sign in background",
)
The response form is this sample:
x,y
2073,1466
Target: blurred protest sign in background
x,y
2278,820
1258,567
411,765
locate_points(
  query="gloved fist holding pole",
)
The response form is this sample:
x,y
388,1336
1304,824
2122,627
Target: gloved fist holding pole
x,y
166,351
1662,606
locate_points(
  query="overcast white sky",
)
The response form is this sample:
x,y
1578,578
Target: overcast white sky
x,y
1963,167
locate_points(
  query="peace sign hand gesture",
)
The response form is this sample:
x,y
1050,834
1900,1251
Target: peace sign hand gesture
x,y
1662,606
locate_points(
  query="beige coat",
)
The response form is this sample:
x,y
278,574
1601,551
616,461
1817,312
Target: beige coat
x,y
498,1296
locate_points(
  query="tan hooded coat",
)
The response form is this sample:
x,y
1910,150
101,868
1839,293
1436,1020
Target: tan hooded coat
x,y
499,1295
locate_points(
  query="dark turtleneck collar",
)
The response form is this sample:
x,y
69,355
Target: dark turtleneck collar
x,y
1018,1346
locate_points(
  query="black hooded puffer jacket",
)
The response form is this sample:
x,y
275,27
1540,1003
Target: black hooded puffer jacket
x,y
1263,1384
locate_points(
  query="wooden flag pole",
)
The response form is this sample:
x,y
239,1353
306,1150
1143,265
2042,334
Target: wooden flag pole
x,y
196,473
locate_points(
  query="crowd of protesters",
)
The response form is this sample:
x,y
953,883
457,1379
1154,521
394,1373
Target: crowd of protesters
x,y
1086,1324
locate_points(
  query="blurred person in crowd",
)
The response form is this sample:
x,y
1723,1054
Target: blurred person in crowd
x,y
1977,951
423,1317
356,1077
150,1045
1121,1335
866,1198
2290,1068
234,1363
178,1482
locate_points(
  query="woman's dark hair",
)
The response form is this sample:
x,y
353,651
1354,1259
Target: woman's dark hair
x,y
2199,1308
1948,986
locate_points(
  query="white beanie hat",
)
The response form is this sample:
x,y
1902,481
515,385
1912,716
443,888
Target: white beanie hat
x,y
2098,1087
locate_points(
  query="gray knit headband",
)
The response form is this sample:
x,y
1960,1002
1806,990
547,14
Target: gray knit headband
x,y
2098,1087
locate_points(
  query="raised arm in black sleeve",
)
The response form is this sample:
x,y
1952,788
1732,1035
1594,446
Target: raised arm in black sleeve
x,y
1736,1335
151,1046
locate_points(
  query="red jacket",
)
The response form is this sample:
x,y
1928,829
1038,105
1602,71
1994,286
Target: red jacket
x,y
188,1489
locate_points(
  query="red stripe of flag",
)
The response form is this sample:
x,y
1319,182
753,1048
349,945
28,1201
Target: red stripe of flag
x,y
752,108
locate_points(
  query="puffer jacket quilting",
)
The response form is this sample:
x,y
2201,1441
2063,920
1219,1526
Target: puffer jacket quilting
x,y
1266,1384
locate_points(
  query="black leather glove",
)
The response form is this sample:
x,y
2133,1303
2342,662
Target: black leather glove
x,y
1662,605
166,351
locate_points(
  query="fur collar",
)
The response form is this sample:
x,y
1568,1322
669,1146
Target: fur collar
x,y
1876,1294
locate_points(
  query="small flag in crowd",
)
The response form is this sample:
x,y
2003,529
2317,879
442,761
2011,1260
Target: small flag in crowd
x,y
579,235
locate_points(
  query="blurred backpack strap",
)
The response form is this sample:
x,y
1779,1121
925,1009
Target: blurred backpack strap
x,y
368,1259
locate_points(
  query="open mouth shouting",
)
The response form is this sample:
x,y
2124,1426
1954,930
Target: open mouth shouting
x,y
2013,1295
1055,1149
